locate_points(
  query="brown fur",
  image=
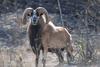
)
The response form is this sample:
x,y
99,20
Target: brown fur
x,y
46,35
53,36
33,33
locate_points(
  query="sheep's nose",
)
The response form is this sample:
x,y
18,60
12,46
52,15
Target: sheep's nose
x,y
34,18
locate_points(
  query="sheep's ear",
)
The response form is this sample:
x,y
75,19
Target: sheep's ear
x,y
41,11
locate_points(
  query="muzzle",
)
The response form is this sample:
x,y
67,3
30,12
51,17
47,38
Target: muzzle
x,y
34,18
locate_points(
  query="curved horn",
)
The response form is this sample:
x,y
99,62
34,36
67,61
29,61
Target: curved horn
x,y
40,11
27,12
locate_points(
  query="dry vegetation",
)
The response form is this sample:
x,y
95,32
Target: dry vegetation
x,y
15,50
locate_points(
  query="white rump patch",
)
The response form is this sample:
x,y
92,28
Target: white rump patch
x,y
44,18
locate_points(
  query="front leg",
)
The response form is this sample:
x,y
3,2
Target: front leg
x,y
44,56
37,60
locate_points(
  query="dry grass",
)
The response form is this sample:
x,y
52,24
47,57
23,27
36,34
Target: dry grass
x,y
21,55
16,57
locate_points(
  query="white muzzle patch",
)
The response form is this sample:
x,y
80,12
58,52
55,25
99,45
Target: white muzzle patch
x,y
34,18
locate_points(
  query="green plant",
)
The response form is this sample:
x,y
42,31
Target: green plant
x,y
80,51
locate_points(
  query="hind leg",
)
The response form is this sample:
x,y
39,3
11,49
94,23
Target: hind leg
x,y
69,55
59,54
44,56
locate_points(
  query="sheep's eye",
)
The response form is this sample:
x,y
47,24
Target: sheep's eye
x,y
28,14
31,13
41,14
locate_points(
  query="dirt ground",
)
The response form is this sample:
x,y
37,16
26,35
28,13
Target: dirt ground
x,y
22,55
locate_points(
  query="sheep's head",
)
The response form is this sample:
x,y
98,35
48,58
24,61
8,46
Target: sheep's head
x,y
41,12
35,15
28,12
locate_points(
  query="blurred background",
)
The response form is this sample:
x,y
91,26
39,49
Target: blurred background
x,y
80,17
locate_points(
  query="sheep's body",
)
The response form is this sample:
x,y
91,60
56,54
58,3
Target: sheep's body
x,y
34,37
57,37
53,36
45,35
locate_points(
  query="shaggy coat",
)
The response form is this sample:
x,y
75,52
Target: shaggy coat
x,y
35,32
53,36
